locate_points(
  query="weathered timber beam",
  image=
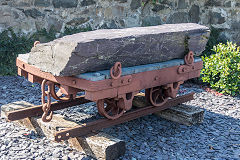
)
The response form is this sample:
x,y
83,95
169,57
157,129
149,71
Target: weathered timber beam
x,y
184,114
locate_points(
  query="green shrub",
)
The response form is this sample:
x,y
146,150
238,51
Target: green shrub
x,y
11,45
222,69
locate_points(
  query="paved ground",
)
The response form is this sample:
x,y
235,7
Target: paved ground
x,y
149,137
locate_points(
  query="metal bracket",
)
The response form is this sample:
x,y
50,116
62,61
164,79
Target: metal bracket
x,y
122,81
189,64
115,73
125,101
171,89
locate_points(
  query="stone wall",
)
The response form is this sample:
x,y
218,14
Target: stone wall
x,y
28,16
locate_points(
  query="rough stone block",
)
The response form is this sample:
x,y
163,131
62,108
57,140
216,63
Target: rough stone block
x,y
87,3
100,49
216,18
42,3
100,146
65,3
135,4
182,4
34,13
178,17
194,14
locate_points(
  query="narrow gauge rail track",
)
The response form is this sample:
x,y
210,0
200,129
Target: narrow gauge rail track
x,y
35,111
96,125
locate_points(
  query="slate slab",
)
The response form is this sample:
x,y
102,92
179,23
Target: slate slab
x,y
100,49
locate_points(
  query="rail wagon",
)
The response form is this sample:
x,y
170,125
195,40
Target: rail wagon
x,y
111,89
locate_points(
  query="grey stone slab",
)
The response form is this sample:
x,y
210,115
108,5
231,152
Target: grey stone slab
x,y
100,49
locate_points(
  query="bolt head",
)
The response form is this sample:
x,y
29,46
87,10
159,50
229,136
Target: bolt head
x,y
74,82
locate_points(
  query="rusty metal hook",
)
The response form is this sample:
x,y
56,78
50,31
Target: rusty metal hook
x,y
35,43
46,118
116,70
189,58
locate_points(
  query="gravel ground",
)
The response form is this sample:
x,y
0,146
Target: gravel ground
x,y
150,137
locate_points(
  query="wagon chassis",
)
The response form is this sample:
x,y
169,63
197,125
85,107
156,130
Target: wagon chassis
x,y
113,96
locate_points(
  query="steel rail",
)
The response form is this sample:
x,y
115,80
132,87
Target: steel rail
x,y
94,126
37,110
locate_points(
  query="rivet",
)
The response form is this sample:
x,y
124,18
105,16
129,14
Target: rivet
x,y
74,82
67,134
59,136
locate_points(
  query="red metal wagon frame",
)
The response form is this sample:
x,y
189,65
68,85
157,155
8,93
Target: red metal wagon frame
x,y
113,96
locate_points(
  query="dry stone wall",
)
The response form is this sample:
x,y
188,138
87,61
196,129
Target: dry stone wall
x,y
28,16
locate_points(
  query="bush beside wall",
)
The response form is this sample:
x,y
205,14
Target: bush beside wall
x,y
222,69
